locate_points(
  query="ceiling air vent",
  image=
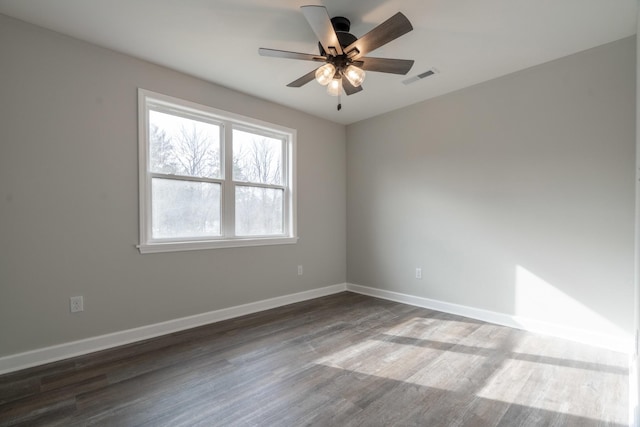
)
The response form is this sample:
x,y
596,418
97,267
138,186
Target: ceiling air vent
x,y
420,76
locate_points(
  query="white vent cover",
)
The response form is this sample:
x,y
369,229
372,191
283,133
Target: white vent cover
x,y
420,76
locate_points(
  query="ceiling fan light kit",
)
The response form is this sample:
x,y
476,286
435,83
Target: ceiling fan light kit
x,y
344,54
334,87
325,74
355,75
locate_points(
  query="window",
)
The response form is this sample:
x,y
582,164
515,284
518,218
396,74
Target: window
x,y
211,179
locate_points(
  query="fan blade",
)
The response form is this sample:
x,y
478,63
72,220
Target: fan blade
x,y
303,80
389,30
290,55
385,65
350,89
320,23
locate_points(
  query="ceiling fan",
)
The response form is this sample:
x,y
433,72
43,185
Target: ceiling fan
x,y
343,53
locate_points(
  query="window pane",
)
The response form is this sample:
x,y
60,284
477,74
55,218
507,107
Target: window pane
x,y
182,146
259,211
256,158
185,209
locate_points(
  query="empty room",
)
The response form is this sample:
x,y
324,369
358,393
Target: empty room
x,y
277,213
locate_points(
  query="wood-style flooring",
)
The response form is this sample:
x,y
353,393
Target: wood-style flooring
x,y
341,360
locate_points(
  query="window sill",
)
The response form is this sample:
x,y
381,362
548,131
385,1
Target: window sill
x,y
151,248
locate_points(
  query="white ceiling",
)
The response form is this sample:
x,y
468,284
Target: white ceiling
x,y
467,41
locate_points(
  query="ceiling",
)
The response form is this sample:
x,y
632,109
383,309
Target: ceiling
x,y
466,41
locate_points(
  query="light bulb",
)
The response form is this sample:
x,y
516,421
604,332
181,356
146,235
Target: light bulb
x,y
355,75
334,87
324,74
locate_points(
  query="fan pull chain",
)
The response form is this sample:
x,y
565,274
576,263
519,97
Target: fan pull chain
x,y
339,101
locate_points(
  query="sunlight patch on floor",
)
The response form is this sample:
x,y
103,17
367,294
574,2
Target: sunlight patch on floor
x,y
571,393
403,363
438,329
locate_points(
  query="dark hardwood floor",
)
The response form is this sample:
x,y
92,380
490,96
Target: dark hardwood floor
x,y
341,360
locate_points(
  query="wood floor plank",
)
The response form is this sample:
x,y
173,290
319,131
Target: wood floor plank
x,y
345,359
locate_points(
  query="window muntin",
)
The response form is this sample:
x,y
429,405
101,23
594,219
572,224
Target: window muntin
x,y
212,179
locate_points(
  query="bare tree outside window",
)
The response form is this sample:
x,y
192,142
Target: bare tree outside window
x,y
185,208
212,179
185,148
258,159
162,157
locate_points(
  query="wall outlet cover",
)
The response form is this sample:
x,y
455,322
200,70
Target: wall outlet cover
x,y
76,304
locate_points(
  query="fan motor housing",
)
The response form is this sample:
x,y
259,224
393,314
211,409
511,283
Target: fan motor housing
x,y
342,26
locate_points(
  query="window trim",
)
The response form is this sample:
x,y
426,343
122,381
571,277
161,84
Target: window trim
x,y
228,121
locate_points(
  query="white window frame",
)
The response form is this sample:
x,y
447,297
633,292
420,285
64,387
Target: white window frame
x,y
227,121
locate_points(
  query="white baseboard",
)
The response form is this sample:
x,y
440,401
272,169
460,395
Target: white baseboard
x,y
620,343
54,353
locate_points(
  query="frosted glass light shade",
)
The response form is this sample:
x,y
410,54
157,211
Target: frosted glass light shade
x,y
355,75
324,74
334,87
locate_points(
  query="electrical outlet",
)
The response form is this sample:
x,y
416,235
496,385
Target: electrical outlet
x,y
299,270
418,273
76,304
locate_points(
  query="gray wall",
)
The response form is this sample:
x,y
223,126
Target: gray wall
x,y
515,195
69,198
518,185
